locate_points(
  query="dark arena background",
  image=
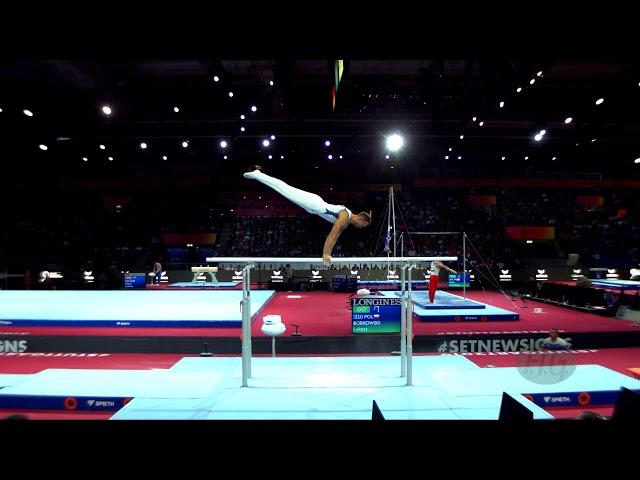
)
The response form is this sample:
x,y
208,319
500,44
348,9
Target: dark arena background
x,y
143,276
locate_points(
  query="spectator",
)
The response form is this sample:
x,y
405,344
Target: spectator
x,y
157,270
554,342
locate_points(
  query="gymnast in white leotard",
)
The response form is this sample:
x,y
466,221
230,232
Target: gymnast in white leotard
x,y
339,215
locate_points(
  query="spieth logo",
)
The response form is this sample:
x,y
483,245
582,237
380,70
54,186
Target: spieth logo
x,y
576,272
237,275
392,274
550,399
315,275
611,273
276,277
542,275
276,273
505,276
101,403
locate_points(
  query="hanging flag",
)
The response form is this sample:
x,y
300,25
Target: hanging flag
x,y
338,69
387,240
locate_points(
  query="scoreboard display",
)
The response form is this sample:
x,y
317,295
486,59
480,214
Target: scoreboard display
x,y
135,280
459,280
375,315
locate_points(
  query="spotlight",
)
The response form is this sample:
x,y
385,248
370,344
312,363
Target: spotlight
x,y
271,82
176,109
446,157
242,117
330,157
265,143
539,74
270,157
327,143
387,157
106,110
164,157
185,144
554,158
599,101
340,157
282,156
216,78
519,89
242,129
254,108
568,120
85,159
42,146
526,158
28,113
223,144
461,137
143,145
538,137
102,147
532,81
543,132
637,160
459,157
481,123
501,104
474,119
110,159
225,157
395,142
230,94
450,149
273,137
503,158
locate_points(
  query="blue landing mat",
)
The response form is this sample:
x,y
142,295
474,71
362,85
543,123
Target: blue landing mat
x,y
441,311
443,301
203,284
128,308
444,387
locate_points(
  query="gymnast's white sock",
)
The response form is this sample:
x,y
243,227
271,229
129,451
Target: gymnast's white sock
x,y
252,175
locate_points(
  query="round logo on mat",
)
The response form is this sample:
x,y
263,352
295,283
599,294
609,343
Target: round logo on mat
x,y
546,367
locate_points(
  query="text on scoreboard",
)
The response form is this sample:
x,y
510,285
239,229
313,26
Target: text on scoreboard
x,y
375,315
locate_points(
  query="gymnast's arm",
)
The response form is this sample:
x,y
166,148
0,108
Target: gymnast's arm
x,y
341,224
442,265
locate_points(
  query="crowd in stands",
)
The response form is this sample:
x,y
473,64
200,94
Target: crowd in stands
x,y
88,231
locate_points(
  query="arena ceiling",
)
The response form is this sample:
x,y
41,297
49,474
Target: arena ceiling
x,y
432,102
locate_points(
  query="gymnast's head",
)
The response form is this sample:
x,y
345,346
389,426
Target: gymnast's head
x,y
361,220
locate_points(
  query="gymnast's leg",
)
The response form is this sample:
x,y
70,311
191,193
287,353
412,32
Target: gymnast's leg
x,y
311,202
433,285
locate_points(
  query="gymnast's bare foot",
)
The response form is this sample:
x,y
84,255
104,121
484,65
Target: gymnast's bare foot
x,y
253,171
